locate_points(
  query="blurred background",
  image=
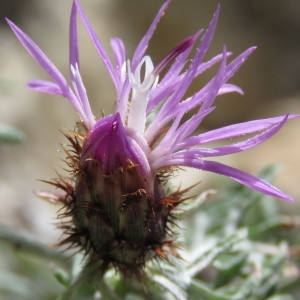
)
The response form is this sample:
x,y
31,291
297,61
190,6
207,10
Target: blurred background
x,y
270,79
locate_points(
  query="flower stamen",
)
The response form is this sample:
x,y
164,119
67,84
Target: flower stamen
x,y
141,86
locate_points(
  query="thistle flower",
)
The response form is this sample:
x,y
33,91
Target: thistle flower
x,y
119,202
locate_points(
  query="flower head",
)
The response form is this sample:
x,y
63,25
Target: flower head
x,y
119,202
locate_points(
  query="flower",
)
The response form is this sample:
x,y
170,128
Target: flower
x,y
119,200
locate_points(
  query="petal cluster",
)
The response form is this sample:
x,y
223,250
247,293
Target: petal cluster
x,y
150,126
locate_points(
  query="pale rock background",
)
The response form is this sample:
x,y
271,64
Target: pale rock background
x,y
270,79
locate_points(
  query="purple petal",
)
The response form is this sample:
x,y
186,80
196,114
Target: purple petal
x,y
208,64
73,39
143,45
45,86
236,130
119,53
205,97
244,178
176,134
75,68
98,46
124,86
229,149
49,67
40,57
170,80
173,54
237,62
191,72
82,95
249,143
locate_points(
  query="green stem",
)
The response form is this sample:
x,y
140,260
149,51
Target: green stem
x,y
90,276
24,243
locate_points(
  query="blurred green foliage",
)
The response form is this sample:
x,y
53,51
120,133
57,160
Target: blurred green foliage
x,y
10,135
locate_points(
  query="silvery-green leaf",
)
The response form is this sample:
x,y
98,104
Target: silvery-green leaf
x,y
10,135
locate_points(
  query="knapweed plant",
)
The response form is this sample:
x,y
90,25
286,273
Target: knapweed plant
x,y
119,204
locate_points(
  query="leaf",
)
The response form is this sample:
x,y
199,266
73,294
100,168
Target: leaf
x,y
10,135
198,288
281,297
62,276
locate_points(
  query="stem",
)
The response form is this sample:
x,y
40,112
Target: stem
x,y
24,243
105,291
90,275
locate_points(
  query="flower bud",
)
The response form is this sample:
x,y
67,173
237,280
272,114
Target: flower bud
x,y
119,213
